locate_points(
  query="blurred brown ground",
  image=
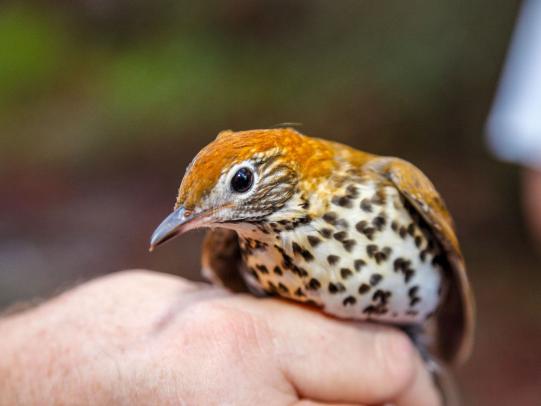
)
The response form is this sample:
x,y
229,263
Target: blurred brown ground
x,y
104,103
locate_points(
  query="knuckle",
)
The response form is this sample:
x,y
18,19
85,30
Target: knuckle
x,y
218,323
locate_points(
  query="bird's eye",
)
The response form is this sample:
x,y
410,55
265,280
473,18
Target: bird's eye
x,y
242,180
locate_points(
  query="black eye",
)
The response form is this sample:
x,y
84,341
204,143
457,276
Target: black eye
x,y
242,180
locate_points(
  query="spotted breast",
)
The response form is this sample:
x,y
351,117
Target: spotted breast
x,y
367,256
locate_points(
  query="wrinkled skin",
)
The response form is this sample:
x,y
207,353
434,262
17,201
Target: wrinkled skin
x,y
137,338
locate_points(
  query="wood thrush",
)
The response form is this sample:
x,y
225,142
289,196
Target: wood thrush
x,y
360,236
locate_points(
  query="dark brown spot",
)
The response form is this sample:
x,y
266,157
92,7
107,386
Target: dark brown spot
x,y
364,288
336,287
330,217
418,241
401,264
345,273
313,240
394,226
366,205
363,228
412,292
381,256
379,222
414,301
360,226
371,250
262,268
254,274
307,255
352,191
398,263
299,271
375,279
340,236
348,245
278,271
299,292
342,201
314,284
350,300
403,231
333,259
297,249
283,288
381,296
408,274
369,309
379,198
411,229
326,232
358,264
378,295
287,262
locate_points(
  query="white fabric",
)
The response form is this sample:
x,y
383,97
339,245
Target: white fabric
x,y
514,124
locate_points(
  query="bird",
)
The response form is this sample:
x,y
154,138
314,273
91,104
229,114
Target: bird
x,y
359,236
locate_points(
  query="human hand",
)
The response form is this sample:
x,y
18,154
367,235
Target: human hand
x,y
139,337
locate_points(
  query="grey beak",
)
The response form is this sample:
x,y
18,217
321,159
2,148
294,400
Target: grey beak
x,y
170,227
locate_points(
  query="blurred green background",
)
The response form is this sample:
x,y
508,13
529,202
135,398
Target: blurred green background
x,y
103,103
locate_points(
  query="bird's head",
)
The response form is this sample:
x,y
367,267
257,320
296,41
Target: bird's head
x,y
246,177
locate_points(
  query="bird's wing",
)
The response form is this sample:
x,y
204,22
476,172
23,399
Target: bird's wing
x,y
221,259
455,322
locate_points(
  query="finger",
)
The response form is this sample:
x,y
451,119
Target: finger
x,y
421,390
329,360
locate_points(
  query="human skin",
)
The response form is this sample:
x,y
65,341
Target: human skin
x,y
140,337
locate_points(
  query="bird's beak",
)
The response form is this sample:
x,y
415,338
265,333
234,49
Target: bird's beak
x,y
173,225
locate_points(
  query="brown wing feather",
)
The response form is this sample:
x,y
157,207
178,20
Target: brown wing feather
x,y
455,322
221,259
